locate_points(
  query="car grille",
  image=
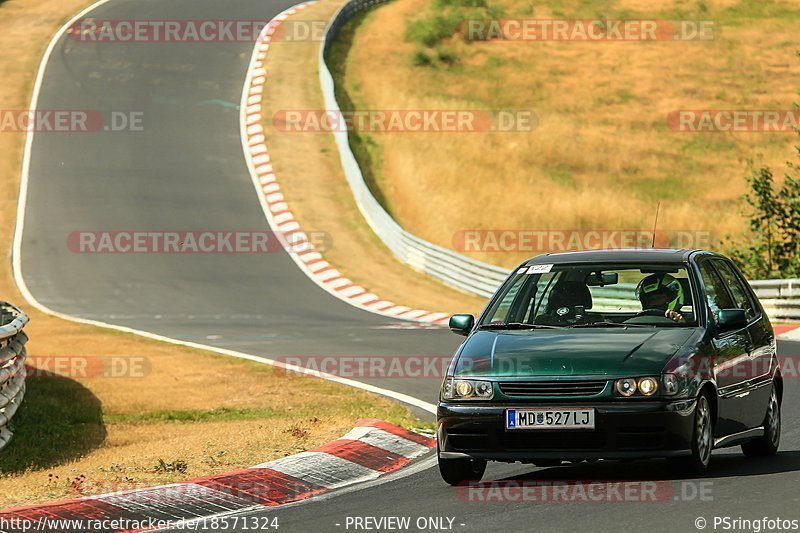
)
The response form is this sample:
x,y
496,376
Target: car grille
x,y
554,440
640,438
552,388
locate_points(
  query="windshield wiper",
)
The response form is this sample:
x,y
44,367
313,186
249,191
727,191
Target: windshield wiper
x,y
611,324
516,325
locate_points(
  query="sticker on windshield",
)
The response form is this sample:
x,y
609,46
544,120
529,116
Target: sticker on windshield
x,y
540,269
522,270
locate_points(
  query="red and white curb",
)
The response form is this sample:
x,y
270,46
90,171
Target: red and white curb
x,y
277,211
373,448
787,332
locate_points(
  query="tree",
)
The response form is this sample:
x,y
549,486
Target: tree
x,y
774,221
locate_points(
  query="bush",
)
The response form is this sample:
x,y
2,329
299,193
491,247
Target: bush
x,y
448,57
446,18
774,251
420,59
430,31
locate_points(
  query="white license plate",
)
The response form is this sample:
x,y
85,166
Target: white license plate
x,y
556,418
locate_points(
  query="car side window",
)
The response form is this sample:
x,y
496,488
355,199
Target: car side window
x,y
741,296
716,294
502,307
520,299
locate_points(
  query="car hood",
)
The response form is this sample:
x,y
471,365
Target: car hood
x,y
569,352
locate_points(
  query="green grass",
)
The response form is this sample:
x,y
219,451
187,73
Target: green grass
x,y
563,175
211,415
430,31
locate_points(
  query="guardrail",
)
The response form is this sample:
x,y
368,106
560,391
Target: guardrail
x,y
12,366
445,265
781,298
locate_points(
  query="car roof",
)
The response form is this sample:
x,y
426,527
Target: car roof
x,y
636,255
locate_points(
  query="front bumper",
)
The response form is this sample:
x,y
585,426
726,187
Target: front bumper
x,y
623,430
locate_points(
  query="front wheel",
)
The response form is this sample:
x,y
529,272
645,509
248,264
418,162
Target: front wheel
x,y
702,438
456,471
768,443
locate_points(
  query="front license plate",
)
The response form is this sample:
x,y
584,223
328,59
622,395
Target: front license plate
x,y
557,418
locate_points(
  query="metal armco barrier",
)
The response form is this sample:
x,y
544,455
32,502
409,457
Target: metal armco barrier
x,y
445,265
781,298
12,366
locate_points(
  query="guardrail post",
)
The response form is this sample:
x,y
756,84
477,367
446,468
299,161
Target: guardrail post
x,y
12,366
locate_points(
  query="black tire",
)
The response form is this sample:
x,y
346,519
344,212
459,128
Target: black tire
x,y
768,443
456,471
702,438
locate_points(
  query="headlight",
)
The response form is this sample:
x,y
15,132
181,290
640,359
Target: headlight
x,y
447,388
626,387
670,384
648,386
466,389
484,389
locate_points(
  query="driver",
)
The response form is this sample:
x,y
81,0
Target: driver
x,y
662,292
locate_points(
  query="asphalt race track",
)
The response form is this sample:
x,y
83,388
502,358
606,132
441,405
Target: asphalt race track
x,y
186,171
734,487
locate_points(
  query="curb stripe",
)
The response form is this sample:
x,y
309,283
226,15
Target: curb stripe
x,y
398,431
263,486
382,305
372,448
390,442
322,469
364,454
253,111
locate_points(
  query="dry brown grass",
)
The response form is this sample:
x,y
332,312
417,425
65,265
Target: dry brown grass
x,y
186,412
602,155
311,178
81,436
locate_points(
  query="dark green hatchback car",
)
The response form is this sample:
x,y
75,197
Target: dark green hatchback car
x,y
618,354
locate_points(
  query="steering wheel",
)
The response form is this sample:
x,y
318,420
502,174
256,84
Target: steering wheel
x,y
649,316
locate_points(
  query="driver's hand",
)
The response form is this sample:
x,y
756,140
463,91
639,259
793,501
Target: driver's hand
x,y
674,315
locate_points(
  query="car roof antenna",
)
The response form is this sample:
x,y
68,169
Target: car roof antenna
x,y
655,224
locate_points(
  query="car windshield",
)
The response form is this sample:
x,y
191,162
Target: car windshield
x,y
597,295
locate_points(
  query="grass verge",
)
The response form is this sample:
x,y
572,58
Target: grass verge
x,y
602,155
176,418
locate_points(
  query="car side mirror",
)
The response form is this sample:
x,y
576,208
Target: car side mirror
x,y
462,324
730,319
